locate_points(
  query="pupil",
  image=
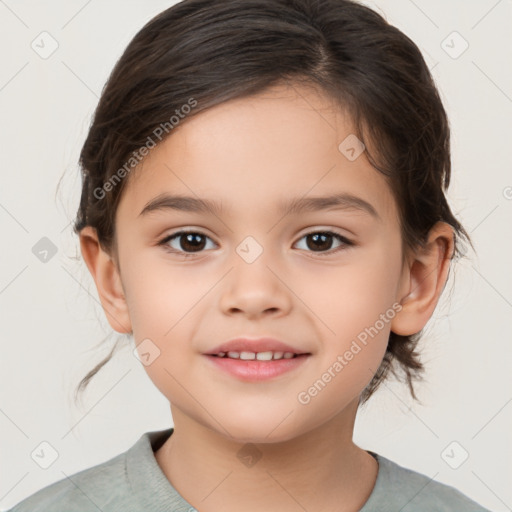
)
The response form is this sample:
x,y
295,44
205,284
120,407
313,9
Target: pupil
x,y
316,237
192,240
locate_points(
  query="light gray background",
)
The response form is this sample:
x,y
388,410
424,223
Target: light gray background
x,y
51,321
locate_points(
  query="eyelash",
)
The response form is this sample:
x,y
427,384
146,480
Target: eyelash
x,y
346,243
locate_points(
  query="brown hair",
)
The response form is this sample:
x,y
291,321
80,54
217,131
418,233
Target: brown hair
x,y
212,51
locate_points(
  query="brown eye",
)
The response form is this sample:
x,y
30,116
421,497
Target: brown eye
x,y
319,241
185,242
322,241
188,243
192,242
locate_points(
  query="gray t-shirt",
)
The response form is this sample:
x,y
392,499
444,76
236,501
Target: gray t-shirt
x,y
134,482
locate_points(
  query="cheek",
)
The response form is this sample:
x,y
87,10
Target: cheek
x,y
163,322
165,306
160,294
358,309
355,295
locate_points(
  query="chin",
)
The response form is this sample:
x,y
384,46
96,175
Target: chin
x,y
259,430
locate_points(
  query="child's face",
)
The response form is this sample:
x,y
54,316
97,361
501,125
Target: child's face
x,y
250,156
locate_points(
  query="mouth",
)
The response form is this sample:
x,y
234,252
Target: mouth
x,y
256,359
261,349
259,356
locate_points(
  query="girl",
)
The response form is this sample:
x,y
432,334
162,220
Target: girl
x,y
263,209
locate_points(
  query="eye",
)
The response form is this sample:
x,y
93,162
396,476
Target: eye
x,y
321,242
192,241
187,243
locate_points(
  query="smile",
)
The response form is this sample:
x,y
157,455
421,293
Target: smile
x,y
260,356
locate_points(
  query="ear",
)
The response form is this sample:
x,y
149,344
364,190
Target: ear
x,y
423,280
108,280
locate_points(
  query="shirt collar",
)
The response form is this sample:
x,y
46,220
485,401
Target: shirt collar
x,y
151,488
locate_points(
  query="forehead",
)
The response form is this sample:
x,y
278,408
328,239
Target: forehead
x,y
252,153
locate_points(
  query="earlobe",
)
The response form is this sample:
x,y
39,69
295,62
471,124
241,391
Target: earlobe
x,y
426,278
108,280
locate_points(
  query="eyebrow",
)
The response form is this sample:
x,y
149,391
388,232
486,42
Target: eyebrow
x,y
343,201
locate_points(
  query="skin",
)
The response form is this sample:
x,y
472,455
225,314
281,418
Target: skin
x,y
249,154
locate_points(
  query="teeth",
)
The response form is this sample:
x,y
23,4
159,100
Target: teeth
x,y
260,356
264,356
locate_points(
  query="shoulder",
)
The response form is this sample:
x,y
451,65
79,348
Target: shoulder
x,y
406,490
89,490
129,482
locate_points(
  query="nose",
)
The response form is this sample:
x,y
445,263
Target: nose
x,y
255,289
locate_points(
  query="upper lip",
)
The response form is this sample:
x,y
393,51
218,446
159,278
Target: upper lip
x,y
247,344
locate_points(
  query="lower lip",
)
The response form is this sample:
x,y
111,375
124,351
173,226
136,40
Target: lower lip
x,y
253,370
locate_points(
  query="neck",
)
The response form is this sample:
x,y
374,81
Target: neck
x,y
319,470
